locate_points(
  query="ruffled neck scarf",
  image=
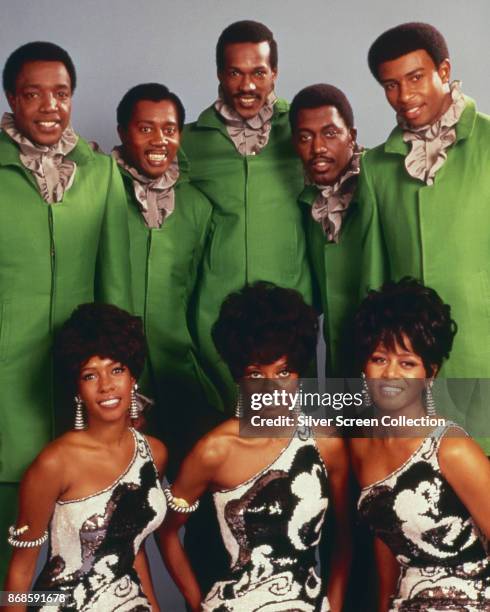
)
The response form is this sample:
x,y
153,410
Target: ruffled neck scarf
x,y
249,136
332,202
156,197
54,173
431,142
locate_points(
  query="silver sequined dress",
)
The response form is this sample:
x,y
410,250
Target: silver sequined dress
x,y
271,525
93,541
443,556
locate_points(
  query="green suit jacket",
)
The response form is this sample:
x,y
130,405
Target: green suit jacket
x,y
165,263
52,258
338,275
257,225
439,234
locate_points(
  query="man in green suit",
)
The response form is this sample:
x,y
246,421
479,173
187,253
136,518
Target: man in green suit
x,y
429,187
63,241
324,136
242,159
169,223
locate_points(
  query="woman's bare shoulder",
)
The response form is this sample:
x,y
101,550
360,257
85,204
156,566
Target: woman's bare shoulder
x,y
214,447
159,452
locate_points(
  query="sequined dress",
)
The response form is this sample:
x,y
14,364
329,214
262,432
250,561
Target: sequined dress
x,y
443,555
93,540
271,525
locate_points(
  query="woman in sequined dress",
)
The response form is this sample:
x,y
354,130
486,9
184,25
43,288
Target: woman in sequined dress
x,y
426,490
270,493
95,490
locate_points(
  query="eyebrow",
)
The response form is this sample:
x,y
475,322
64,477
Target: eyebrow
x,y
323,127
258,67
40,85
408,74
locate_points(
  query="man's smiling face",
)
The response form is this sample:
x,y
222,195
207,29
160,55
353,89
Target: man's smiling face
x,y
416,88
247,77
41,102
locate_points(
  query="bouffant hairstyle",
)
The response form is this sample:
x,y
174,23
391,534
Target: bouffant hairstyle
x,y
321,95
245,31
36,52
103,330
263,322
406,38
155,92
406,308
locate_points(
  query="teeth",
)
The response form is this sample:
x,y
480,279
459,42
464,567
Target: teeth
x,y
47,124
110,403
392,391
157,157
412,111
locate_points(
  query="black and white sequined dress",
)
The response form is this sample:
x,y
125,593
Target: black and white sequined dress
x,y
271,526
443,556
93,541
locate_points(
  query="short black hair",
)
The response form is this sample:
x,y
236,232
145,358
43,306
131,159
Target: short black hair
x,y
405,308
406,38
317,95
156,92
99,329
263,322
245,31
38,51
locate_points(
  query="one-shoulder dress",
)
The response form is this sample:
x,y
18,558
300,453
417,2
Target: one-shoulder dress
x,y
442,553
93,540
271,525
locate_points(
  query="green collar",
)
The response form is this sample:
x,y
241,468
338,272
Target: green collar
x,y
9,152
309,194
210,118
464,129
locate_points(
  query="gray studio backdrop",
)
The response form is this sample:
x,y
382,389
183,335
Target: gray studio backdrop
x,y
118,43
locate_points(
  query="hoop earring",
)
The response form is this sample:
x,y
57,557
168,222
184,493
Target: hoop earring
x,y
133,408
368,401
79,420
430,405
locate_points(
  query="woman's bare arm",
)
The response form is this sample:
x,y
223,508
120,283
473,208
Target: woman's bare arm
x,y
41,486
388,571
467,469
143,570
192,481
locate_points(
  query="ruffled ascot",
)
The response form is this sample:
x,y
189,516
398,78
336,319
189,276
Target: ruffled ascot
x,y
430,142
54,173
155,197
249,136
332,202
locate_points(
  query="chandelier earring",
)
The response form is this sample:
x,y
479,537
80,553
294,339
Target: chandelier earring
x,y
366,396
133,407
79,420
239,403
430,405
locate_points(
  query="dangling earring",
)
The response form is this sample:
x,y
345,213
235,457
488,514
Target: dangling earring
x,y
239,403
133,408
79,420
368,402
430,405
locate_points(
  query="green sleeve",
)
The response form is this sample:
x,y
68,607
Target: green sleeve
x,y
374,269
112,283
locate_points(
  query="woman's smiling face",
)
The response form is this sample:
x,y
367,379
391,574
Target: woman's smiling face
x,y
396,376
104,386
